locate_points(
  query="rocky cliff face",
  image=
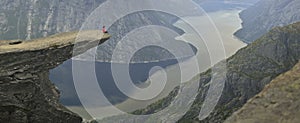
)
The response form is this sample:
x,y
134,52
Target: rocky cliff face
x,y
26,93
279,102
248,71
29,19
265,15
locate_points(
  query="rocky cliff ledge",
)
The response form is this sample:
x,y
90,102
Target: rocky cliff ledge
x,y
26,93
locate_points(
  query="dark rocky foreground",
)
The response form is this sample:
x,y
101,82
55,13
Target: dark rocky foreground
x,y
26,93
279,102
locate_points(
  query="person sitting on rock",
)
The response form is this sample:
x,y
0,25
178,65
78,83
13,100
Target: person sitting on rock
x,y
104,29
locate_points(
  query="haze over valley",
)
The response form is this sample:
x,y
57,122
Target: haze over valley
x,y
136,61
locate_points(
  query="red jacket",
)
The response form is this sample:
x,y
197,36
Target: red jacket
x,y
103,30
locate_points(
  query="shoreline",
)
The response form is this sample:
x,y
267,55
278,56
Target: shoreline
x,y
218,21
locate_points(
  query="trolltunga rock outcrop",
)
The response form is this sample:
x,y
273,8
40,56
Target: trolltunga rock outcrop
x,y
26,93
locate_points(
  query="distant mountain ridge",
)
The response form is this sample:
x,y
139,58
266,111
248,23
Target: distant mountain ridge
x,y
265,15
221,5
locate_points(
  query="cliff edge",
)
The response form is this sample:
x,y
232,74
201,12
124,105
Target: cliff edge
x,y
26,93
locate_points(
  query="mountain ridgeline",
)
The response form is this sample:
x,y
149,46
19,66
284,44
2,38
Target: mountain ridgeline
x,y
248,71
265,15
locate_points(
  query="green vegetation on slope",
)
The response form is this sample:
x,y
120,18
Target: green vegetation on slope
x,y
279,102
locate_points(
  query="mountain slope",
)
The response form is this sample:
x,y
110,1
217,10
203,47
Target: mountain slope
x,y
279,102
248,71
136,20
29,19
265,15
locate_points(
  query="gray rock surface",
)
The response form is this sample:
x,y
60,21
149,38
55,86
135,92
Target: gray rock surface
x,y
26,93
29,19
265,15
